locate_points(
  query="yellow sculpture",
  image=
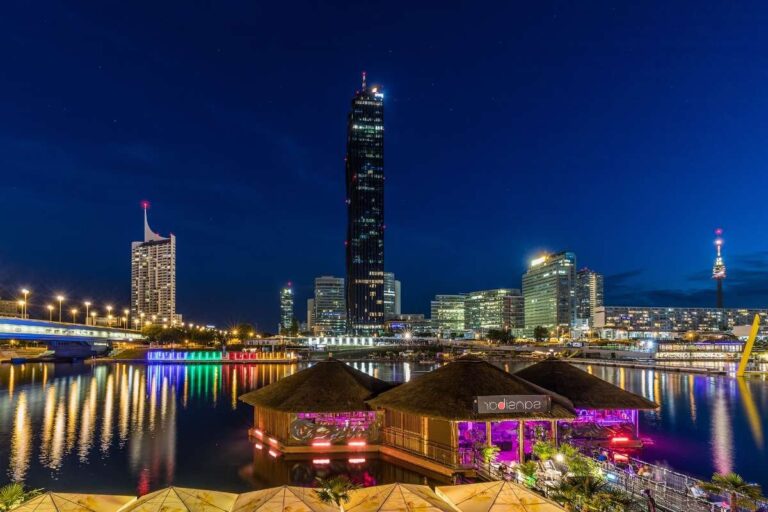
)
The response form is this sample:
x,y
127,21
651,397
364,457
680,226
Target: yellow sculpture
x,y
748,347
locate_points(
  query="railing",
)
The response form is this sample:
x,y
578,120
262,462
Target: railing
x,y
415,444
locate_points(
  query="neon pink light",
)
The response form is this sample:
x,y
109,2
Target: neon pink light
x,y
321,443
321,461
356,443
357,461
620,439
273,453
258,446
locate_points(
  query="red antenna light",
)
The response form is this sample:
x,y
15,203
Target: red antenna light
x,y
145,204
719,231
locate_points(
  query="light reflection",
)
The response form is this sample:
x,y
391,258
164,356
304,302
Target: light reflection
x,y
753,416
21,441
722,434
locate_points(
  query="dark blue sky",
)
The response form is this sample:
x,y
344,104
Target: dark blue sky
x,y
625,133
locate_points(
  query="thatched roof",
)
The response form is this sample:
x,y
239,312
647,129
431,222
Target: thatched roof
x,y
327,386
392,497
450,392
495,497
180,499
584,390
281,499
68,502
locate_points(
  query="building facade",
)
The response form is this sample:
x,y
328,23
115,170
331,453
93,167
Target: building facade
x,y
153,276
549,292
447,315
365,211
589,296
310,314
286,308
666,323
330,315
499,309
391,295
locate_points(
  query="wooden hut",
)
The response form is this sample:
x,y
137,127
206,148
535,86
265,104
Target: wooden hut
x,y
447,416
605,413
322,407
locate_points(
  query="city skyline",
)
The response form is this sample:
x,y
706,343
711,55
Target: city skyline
x,y
478,131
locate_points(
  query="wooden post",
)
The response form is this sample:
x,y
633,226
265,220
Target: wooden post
x,y
521,440
555,441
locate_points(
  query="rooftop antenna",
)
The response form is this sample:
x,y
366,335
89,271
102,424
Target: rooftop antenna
x,y
718,269
364,80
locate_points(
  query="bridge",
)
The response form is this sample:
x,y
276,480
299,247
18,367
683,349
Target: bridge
x,y
65,340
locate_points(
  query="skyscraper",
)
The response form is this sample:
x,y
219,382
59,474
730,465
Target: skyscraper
x,y
330,312
589,295
153,277
286,308
391,295
365,211
549,292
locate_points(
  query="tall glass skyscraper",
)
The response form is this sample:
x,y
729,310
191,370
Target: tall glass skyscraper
x,y
286,308
549,291
365,211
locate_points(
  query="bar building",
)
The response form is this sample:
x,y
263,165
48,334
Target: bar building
x,y
365,211
153,277
549,292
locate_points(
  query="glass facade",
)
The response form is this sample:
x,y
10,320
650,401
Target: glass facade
x,y
447,313
549,291
391,295
365,211
493,309
589,295
330,315
286,307
675,320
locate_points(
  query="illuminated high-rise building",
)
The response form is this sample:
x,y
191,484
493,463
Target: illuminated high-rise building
x,y
499,309
330,312
286,307
447,315
549,293
153,277
365,211
589,295
392,292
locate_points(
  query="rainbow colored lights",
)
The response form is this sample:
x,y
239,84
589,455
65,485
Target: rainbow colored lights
x,y
212,356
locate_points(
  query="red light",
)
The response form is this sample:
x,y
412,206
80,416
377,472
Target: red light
x,y
357,461
620,457
321,443
145,205
258,432
273,453
719,231
356,443
621,439
259,446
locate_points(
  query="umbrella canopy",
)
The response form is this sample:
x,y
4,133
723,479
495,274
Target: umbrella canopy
x,y
449,393
279,499
67,502
327,386
496,497
179,499
396,497
584,390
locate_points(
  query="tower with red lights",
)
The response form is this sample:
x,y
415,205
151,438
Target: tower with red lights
x,y
718,269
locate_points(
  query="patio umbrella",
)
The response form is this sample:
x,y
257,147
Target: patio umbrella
x,y
284,498
496,497
396,497
67,502
180,499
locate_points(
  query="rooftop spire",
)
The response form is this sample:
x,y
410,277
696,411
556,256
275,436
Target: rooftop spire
x,y
364,85
149,235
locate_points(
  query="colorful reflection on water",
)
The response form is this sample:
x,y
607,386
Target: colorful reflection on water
x,y
132,428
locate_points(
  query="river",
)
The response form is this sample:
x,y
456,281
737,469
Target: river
x,y
133,428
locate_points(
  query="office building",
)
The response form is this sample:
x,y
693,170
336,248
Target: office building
x,y
330,312
589,296
365,211
391,295
310,314
620,322
153,276
415,324
286,308
11,308
447,315
549,293
499,309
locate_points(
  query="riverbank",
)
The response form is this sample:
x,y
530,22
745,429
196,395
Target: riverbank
x,y
648,366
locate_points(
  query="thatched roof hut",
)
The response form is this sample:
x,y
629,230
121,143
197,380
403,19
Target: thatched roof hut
x,y
392,497
449,393
327,386
69,502
584,390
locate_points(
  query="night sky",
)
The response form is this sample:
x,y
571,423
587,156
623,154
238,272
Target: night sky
x,y
625,133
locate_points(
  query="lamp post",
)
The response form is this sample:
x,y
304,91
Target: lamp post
x,y
87,305
24,312
141,321
109,316
22,305
60,298
50,312
74,315
93,318
127,318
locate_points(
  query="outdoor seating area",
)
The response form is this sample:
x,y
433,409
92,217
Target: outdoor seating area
x,y
482,497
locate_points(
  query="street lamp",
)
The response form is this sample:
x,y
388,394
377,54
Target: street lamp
x,y
74,315
93,318
22,305
127,316
87,305
60,298
125,321
24,313
109,316
141,322
50,312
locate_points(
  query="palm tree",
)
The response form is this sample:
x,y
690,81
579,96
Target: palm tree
x,y
335,490
592,494
13,494
739,491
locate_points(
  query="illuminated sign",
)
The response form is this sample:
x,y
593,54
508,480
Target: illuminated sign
x,y
506,404
538,261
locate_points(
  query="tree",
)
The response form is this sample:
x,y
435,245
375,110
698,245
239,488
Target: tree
x,y
592,494
489,453
335,490
13,495
739,491
540,333
500,336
